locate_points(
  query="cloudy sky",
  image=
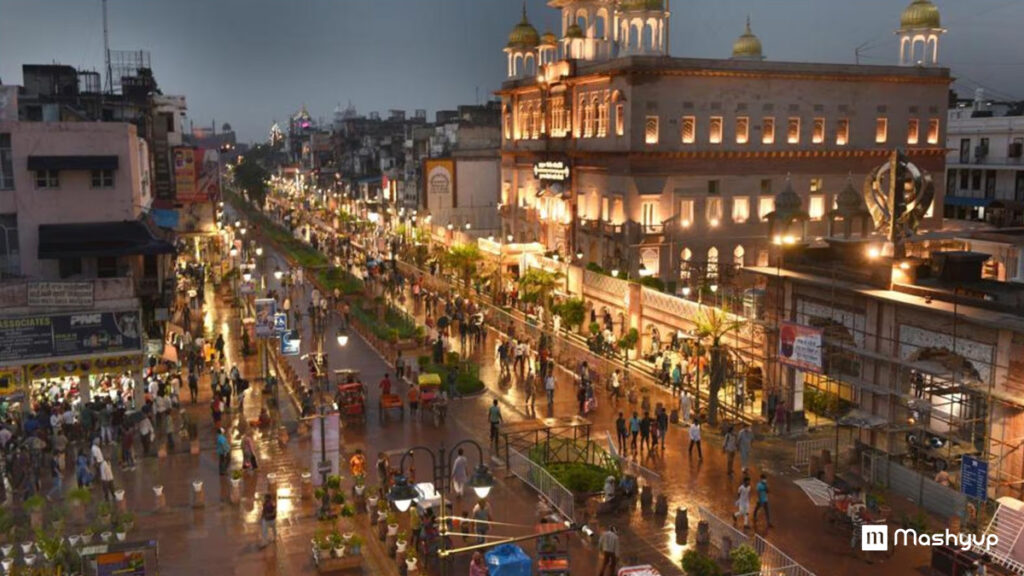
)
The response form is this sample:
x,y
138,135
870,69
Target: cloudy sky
x,y
249,62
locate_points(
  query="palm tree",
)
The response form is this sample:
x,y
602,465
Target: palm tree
x,y
463,258
712,325
537,286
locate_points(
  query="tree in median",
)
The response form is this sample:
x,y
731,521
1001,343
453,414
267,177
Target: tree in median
x,y
712,325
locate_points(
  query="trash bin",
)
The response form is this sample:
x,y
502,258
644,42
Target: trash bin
x,y
508,560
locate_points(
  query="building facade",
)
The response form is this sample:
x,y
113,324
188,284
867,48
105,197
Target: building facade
x,y
654,165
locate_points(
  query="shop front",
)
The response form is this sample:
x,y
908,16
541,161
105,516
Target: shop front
x,y
69,357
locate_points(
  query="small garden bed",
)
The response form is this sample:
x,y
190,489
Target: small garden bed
x,y
467,377
580,467
395,327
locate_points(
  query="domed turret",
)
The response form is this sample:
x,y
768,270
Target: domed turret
x,y
747,46
524,35
549,39
641,5
574,31
920,14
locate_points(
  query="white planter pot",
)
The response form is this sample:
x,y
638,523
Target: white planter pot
x,y
73,540
382,516
121,536
236,482
158,489
347,537
360,488
339,552
86,539
119,495
410,564
106,536
7,563
371,503
7,549
197,485
392,529
26,547
400,546
30,560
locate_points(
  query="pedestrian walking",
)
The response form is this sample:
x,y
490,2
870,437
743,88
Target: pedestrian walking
x,y
729,444
622,432
57,474
107,481
744,441
223,452
268,520
82,474
695,440
743,503
662,424
684,407
762,500
494,417
460,474
249,460
193,386
780,417
531,395
549,387
634,430
608,548
477,567
481,519
645,431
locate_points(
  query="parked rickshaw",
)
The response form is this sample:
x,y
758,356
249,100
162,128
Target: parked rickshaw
x,y
390,403
351,401
431,397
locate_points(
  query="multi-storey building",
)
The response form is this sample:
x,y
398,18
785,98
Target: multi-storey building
x,y
647,163
985,176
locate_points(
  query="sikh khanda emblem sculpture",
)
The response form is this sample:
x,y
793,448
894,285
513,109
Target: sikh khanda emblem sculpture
x,y
898,195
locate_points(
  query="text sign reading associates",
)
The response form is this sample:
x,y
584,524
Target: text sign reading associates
x,y
875,538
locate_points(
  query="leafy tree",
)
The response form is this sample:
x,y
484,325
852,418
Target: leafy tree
x,y
463,258
251,177
572,312
712,325
536,286
629,341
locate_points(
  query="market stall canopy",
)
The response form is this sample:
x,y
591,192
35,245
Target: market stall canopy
x,y
860,419
98,239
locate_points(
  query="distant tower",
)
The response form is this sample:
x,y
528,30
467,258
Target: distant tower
x,y
919,31
548,50
642,27
522,49
747,46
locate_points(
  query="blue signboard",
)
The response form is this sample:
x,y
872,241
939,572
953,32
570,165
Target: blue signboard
x,y
290,346
974,478
280,323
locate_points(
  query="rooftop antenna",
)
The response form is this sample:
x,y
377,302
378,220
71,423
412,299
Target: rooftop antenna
x,y
106,51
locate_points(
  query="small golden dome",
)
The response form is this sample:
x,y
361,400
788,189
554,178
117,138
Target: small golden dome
x,y
524,35
920,14
548,39
747,46
574,31
641,5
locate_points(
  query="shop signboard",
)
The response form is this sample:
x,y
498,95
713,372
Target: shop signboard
x,y
54,294
800,347
974,478
59,335
185,174
551,171
115,364
131,563
266,308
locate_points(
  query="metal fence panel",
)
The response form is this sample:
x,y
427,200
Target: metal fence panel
x,y
724,536
776,562
543,482
923,491
807,448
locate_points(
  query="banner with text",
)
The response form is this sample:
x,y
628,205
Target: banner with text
x,y
800,347
58,335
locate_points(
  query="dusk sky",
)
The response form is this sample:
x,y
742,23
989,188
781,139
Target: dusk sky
x,y
248,62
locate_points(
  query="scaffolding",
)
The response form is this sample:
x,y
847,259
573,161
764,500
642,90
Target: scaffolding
x,y
126,65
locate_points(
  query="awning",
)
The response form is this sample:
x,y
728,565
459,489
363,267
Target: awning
x,y
72,163
964,201
99,239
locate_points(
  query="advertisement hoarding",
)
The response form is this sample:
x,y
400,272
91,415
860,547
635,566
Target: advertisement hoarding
x,y
439,183
800,347
184,174
265,310
59,335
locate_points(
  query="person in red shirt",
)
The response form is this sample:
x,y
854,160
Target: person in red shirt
x,y
385,386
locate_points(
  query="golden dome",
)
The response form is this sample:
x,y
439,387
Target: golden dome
x,y
637,5
920,14
524,35
549,39
574,31
747,46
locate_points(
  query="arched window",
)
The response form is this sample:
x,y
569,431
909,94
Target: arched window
x,y
737,255
647,39
712,275
581,20
684,264
601,24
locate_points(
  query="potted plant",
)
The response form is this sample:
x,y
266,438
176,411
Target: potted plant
x,y
360,486
411,560
236,477
105,536
392,525
87,535
371,500
128,521
103,513
697,564
401,541
355,544
744,560
337,545
120,531
322,541
26,547
347,511
34,504
158,490
6,549
7,563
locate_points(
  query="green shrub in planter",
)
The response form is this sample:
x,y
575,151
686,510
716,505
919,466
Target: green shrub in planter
x,y
697,564
744,560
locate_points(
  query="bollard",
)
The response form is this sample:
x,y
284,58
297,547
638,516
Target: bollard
x,y
646,499
682,521
703,533
661,505
725,548
830,473
198,494
826,456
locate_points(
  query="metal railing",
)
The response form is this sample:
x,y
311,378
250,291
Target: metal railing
x,y
536,477
724,538
807,448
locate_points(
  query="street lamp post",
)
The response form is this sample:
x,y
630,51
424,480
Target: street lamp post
x,y
402,494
